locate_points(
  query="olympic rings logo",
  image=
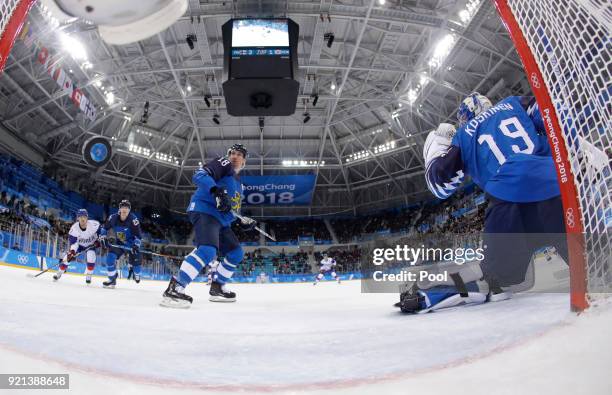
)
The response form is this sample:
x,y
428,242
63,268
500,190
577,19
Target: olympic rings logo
x,y
569,218
535,81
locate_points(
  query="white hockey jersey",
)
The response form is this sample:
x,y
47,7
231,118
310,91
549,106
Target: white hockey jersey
x,y
327,263
83,238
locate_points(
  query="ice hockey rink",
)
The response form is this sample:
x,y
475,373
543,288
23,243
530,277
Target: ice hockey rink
x,y
295,338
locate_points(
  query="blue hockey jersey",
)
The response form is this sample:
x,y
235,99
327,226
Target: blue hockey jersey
x,y
216,173
504,150
126,232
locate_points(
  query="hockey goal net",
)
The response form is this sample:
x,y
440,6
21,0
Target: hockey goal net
x,y
565,47
12,17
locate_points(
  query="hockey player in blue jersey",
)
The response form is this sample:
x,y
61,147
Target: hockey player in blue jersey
x,y
211,211
127,231
504,149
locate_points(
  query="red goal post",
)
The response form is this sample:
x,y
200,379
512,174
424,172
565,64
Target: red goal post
x,y
565,47
13,15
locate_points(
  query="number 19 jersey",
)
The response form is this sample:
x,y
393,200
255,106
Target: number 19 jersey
x,y
506,152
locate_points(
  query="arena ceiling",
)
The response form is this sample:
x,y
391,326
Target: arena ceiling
x,y
382,85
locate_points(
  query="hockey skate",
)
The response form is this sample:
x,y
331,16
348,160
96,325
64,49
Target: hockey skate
x,y
136,278
496,293
57,275
218,293
88,279
111,283
174,297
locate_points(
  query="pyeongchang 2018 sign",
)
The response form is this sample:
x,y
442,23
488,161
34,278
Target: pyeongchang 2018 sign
x,y
277,190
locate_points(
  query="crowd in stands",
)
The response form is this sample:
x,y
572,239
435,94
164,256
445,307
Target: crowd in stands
x,y
290,230
27,194
18,211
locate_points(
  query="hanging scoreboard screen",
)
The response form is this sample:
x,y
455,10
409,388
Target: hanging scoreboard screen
x,y
260,33
259,66
261,48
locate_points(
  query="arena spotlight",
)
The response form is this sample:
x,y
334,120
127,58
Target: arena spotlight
x,y
191,38
207,100
216,119
330,39
306,117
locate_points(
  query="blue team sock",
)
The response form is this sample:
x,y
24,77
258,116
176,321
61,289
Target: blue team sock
x,y
226,269
194,263
111,268
224,272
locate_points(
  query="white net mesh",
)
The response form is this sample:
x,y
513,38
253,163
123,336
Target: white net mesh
x,y
7,10
571,43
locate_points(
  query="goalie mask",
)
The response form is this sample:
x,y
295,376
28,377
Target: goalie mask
x,y
120,22
471,106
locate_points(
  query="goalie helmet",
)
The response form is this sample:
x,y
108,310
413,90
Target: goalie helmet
x,y
120,22
471,106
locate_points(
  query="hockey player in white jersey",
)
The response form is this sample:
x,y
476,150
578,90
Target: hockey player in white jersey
x,y
327,266
83,236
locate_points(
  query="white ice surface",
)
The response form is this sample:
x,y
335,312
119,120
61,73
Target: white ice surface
x,y
293,338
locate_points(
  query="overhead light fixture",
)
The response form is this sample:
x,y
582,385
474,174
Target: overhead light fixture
x,y
306,117
261,124
333,86
315,99
145,113
110,98
381,2
330,39
207,100
216,119
191,39
124,108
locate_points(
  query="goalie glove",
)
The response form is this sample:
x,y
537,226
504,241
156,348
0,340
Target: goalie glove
x,y
438,142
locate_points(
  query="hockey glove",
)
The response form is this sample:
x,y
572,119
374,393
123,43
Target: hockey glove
x,y
136,246
71,255
247,224
222,199
103,241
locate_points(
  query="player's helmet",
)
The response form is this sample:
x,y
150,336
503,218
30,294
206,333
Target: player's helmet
x,y
471,106
125,203
82,213
240,148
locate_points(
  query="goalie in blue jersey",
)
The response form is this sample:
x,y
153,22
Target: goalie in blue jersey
x,y
504,149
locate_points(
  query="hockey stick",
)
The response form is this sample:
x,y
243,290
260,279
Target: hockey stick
x,y
144,252
59,263
243,219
